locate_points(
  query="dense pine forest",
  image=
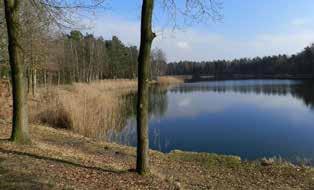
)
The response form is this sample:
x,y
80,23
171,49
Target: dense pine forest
x,y
300,64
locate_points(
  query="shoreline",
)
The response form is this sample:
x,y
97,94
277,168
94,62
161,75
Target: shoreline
x,y
191,80
78,162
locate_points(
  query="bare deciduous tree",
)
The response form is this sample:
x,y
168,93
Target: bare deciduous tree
x,y
20,132
197,10
159,63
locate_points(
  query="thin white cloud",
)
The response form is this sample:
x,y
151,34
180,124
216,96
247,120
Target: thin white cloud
x,y
301,21
193,44
183,45
284,43
108,26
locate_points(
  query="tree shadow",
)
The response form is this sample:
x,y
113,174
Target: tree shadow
x,y
109,170
16,180
12,179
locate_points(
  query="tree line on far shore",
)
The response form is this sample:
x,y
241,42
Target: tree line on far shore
x,y
300,64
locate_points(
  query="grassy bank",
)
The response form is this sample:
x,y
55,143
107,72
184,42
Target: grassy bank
x,y
59,159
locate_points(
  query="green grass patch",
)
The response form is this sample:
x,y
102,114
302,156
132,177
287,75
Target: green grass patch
x,y
206,159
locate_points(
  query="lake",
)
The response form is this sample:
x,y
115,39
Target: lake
x,y
248,118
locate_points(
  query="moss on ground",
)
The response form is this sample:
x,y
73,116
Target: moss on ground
x,y
207,159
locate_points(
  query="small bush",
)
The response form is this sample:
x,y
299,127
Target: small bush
x,y
57,118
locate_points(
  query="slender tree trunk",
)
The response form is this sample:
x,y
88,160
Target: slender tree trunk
x,y
34,81
28,80
20,132
58,82
147,37
45,78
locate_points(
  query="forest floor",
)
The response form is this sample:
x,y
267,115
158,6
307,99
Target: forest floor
x,y
61,159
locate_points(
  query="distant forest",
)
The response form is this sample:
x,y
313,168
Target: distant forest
x,y
301,64
75,57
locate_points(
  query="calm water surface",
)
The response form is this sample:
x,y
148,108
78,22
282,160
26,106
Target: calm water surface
x,y
251,119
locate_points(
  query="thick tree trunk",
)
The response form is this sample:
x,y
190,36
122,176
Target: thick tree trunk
x,y
147,37
20,132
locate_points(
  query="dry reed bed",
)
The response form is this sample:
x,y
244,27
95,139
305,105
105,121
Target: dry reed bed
x,y
168,80
89,109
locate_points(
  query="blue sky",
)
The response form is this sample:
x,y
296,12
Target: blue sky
x,y
249,28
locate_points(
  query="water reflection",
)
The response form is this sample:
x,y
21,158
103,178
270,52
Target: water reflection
x,y
302,90
305,92
126,132
252,119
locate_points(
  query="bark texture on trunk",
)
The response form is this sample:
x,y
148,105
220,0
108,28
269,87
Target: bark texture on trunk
x,y
20,132
147,36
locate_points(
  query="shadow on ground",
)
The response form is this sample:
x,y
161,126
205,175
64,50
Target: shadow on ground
x,y
11,179
64,162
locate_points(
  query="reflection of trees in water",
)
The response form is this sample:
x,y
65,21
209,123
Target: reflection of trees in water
x,y
126,136
157,104
158,101
265,89
125,132
301,90
305,92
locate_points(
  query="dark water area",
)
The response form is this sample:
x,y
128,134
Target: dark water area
x,y
248,118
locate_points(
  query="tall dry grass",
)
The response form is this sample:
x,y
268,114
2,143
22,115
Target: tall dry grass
x,y
89,109
169,80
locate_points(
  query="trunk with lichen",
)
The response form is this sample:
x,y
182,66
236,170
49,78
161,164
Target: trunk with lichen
x,y
20,132
147,37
